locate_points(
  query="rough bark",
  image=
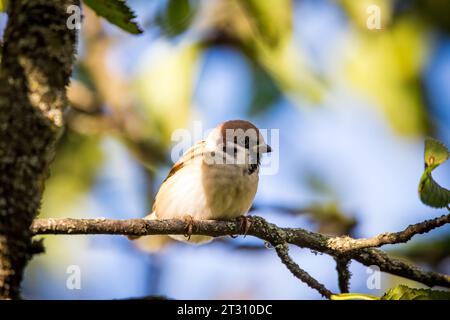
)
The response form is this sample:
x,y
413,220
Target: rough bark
x,y
259,228
37,57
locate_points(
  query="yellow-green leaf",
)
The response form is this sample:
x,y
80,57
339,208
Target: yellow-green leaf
x,y
430,192
402,292
435,153
353,296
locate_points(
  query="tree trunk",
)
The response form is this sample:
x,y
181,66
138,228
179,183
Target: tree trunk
x,y
36,61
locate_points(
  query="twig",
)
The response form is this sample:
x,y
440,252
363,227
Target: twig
x,y
344,274
259,228
347,243
283,253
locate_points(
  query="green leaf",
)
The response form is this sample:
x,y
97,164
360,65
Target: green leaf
x,y
402,292
430,192
436,153
117,12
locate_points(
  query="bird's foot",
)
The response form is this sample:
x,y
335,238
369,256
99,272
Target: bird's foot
x,y
244,224
189,226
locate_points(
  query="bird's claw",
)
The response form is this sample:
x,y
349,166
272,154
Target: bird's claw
x,y
244,224
189,226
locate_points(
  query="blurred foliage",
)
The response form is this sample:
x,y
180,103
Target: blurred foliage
x,y
117,12
328,216
358,11
272,19
429,251
433,12
385,66
262,30
331,219
164,87
265,92
176,16
71,178
400,292
431,193
3,5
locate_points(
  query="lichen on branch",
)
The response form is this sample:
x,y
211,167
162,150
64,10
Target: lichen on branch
x,y
278,237
36,62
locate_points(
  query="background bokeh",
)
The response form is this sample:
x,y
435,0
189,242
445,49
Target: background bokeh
x,y
352,106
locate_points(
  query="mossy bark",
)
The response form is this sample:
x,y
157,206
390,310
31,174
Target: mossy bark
x,y
36,61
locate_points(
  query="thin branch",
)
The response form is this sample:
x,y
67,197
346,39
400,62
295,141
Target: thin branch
x,y
347,243
344,274
259,228
283,253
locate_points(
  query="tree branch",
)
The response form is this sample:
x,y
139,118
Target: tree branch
x,y
344,274
347,243
259,228
283,253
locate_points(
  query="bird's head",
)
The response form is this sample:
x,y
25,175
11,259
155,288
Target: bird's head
x,y
239,140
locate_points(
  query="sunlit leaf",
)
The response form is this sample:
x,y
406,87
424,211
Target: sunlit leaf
x,y
402,292
435,153
353,296
117,12
431,193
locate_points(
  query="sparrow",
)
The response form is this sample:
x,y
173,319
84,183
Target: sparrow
x,y
215,179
